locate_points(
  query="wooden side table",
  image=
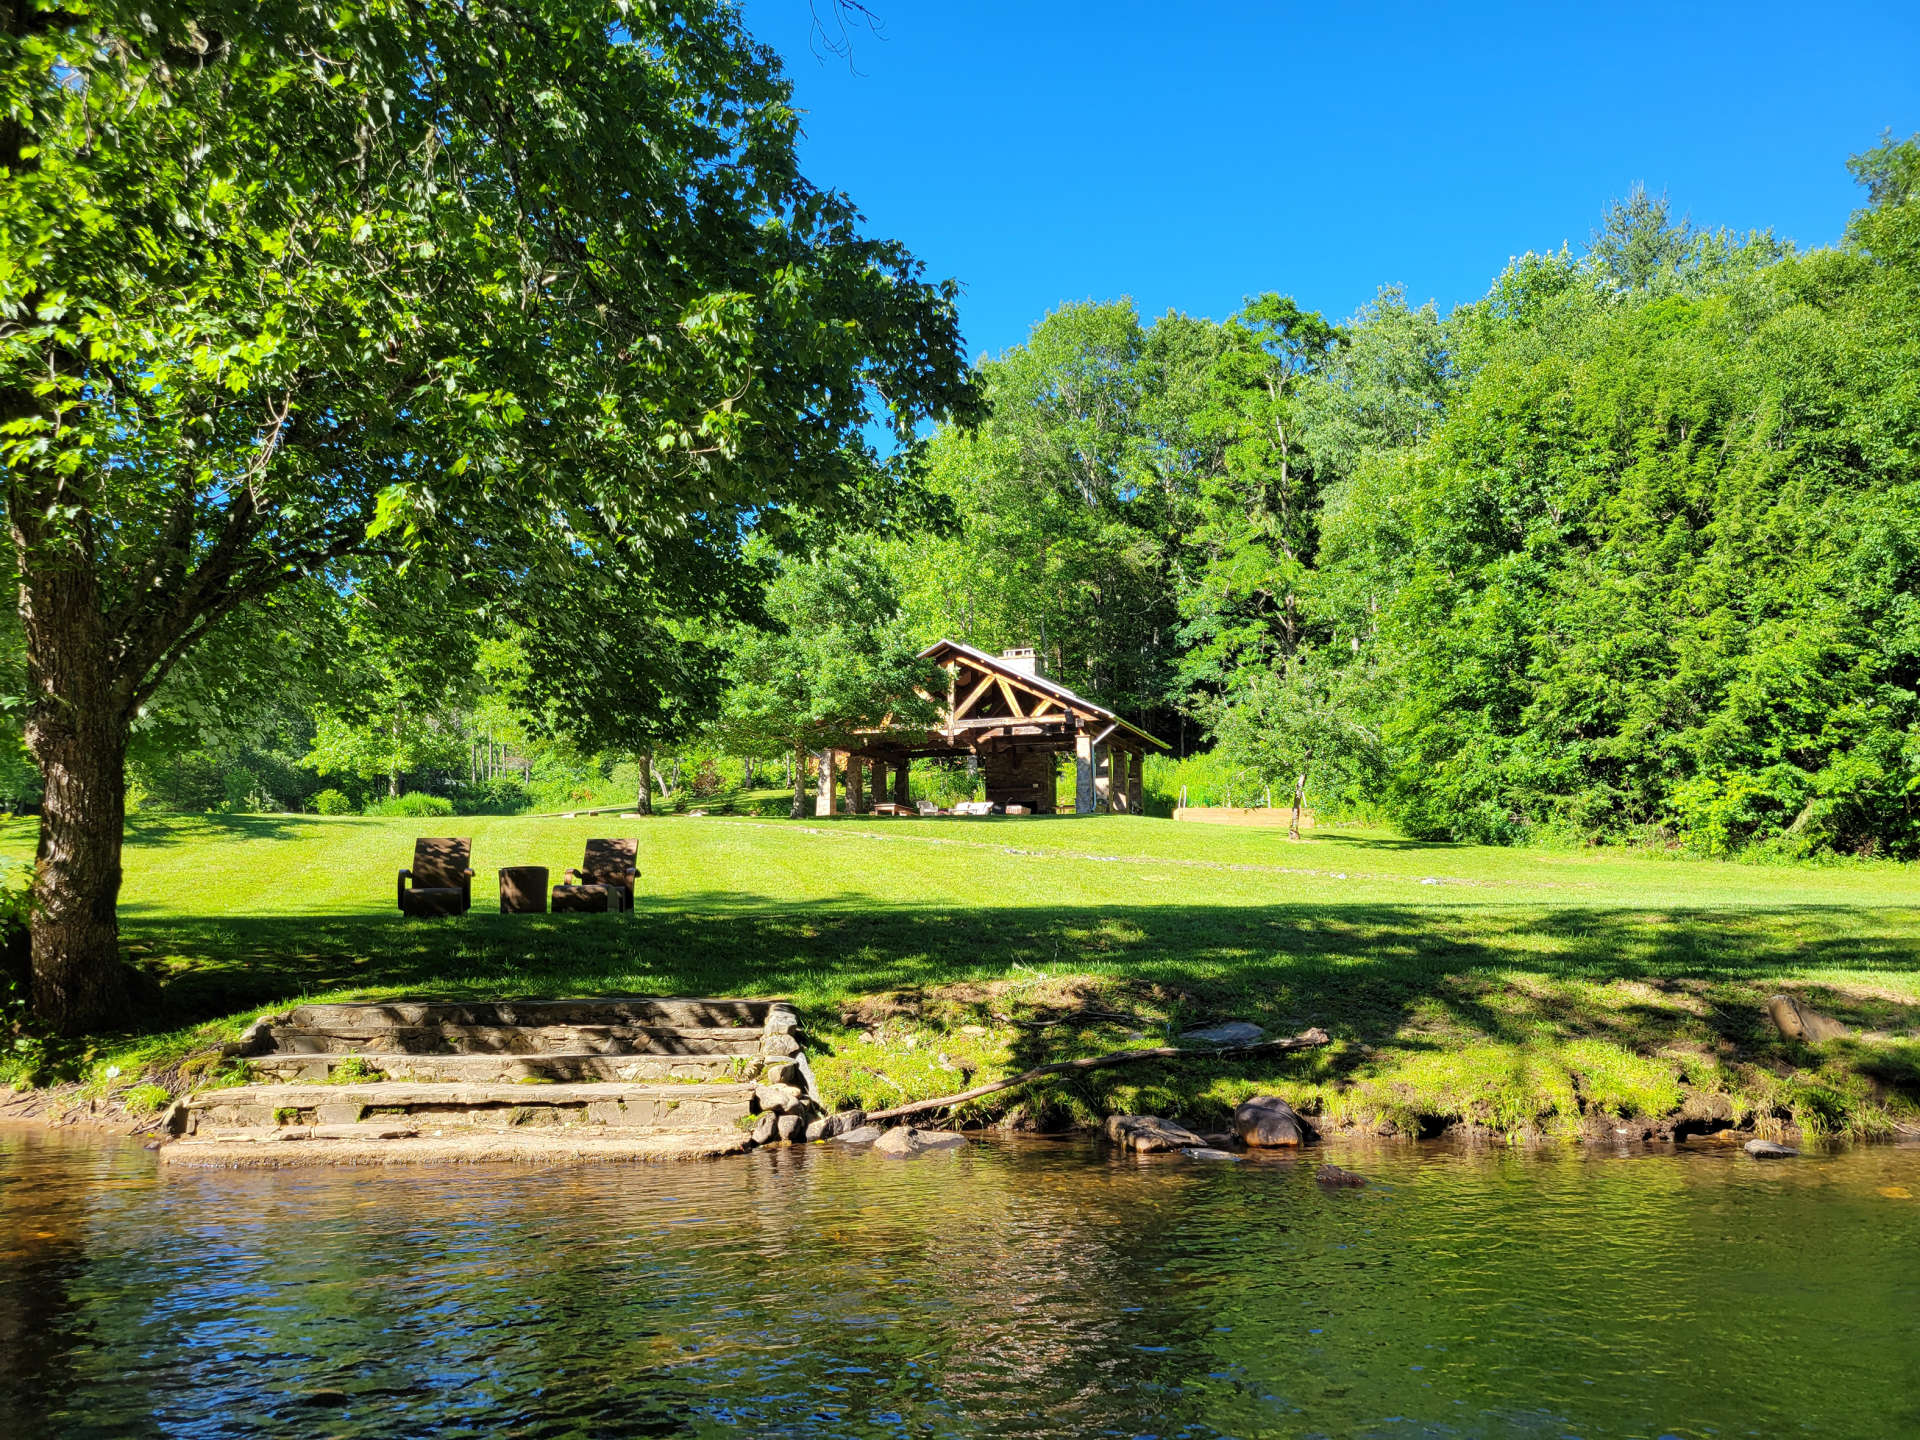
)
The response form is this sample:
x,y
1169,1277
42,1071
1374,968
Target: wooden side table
x,y
523,890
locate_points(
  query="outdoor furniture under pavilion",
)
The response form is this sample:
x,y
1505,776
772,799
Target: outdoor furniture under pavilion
x,y
442,881
609,865
523,890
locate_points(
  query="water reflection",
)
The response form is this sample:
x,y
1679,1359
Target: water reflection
x,y
1037,1289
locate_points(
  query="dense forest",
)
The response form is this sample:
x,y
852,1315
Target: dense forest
x,y
1626,550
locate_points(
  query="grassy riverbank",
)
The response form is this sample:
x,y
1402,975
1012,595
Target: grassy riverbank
x,y
1522,991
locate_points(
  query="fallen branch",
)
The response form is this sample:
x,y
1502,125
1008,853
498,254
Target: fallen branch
x,y
1307,1040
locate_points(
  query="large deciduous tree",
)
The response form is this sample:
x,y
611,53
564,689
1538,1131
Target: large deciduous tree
x,y
287,287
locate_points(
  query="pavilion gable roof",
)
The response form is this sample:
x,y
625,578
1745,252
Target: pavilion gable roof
x,y
1009,674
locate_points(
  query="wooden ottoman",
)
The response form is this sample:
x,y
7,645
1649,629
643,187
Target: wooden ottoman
x,y
523,890
588,898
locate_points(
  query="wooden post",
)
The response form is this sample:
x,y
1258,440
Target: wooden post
x,y
901,795
823,791
1118,792
1103,761
856,789
1085,796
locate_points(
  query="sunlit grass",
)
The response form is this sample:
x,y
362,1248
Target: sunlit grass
x,y
1515,989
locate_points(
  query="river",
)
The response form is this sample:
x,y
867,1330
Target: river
x,y
1029,1288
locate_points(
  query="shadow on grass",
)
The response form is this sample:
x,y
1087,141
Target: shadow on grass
x,y
1382,842
171,829
1367,972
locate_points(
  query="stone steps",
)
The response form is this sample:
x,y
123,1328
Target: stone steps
x,y
447,1105
457,1039
618,1010
621,1077
508,1069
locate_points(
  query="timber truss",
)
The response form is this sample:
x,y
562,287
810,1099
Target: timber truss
x,y
1017,724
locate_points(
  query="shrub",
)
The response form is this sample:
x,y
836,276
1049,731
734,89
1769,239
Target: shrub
x,y
706,781
1720,813
332,802
502,795
243,793
417,805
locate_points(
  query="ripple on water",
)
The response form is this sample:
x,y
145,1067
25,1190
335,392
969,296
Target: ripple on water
x,y
1032,1289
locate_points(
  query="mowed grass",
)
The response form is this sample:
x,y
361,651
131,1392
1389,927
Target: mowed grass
x,y
1519,990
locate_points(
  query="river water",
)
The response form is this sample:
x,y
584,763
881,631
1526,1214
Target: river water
x,y
1037,1288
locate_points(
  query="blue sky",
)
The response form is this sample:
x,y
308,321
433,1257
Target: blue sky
x,y
1190,155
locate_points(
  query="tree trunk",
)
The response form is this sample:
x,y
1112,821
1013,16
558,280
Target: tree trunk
x,y
1299,798
643,803
77,732
799,811
393,765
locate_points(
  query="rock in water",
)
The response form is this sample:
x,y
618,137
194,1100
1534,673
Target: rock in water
x,y
832,1127
765,1128
860,1135
1233,1032
905,1142
1207,1152
1334,1175
1149,1133
1767,1150
1269,1120
790,1128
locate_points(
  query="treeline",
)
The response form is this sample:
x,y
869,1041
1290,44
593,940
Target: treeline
x,y
1624,551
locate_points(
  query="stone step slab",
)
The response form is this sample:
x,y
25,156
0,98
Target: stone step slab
x,y
699,1011
429,1106
574,1145
507,1069
462,1039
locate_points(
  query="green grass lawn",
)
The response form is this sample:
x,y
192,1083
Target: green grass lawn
x,y
1522,990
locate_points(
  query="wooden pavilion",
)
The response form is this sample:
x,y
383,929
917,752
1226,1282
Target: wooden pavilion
x,y
1016,723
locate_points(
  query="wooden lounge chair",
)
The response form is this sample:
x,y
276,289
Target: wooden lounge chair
x,y
442,882
609,868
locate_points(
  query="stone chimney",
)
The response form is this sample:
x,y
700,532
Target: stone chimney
x,y
1023,659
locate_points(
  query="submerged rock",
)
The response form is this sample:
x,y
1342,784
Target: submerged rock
x,y
832,1127
1268,1120
905,1142
1207,1152
1334,1175
1768,1150
1149,1134
1232,1032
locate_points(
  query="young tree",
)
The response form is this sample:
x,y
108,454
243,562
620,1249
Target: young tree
x,y
285,286
1280,725
838,660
